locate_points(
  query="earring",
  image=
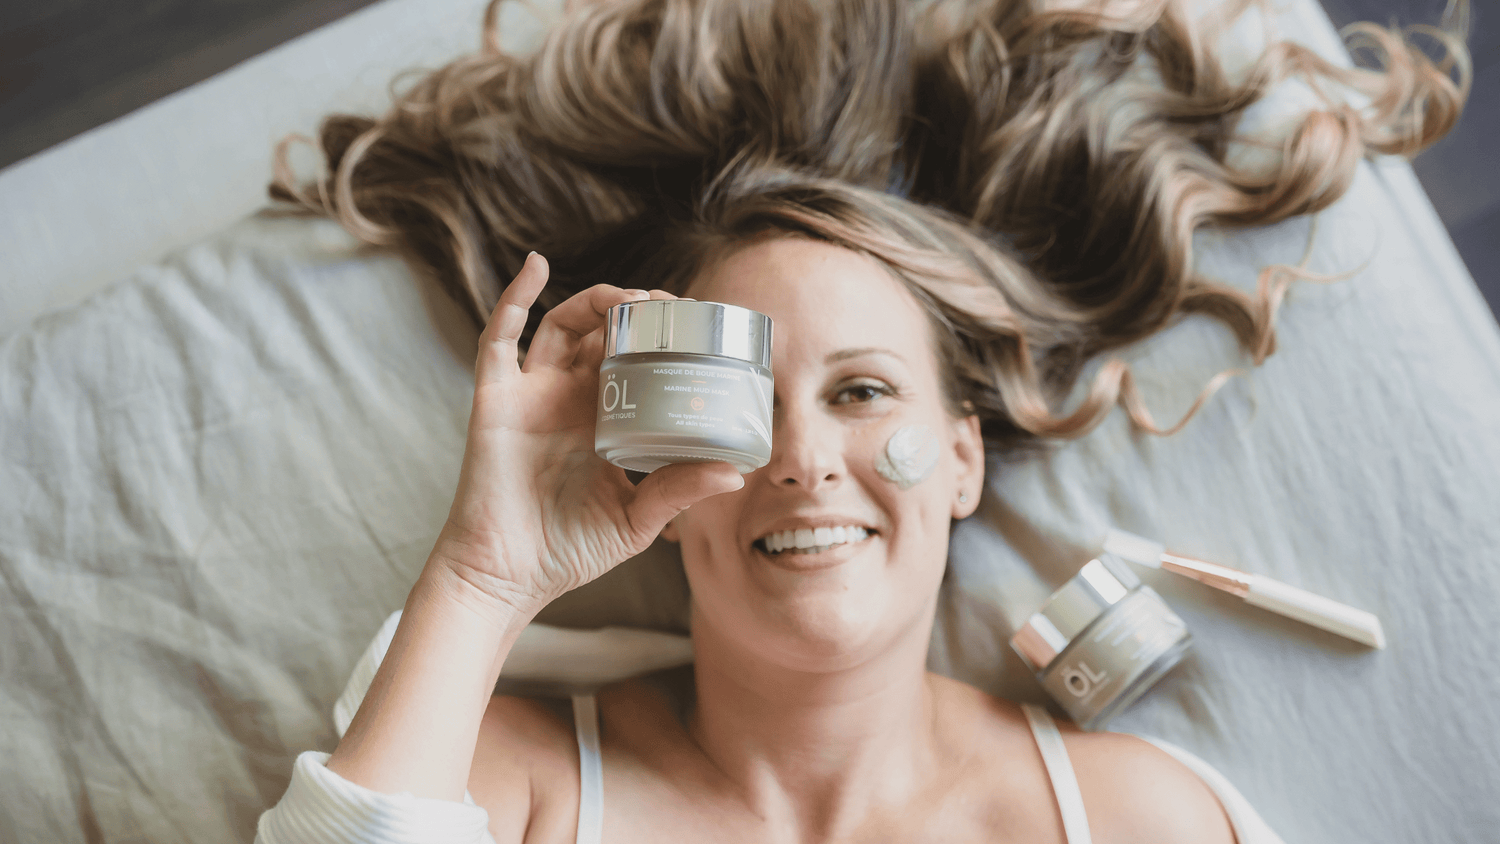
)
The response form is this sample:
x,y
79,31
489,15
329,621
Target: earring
x,y
963,498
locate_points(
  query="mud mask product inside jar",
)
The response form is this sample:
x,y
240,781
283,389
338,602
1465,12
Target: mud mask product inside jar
x,y
1101,641
685,382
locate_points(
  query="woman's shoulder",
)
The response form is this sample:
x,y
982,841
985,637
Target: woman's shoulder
x,y
1135,791
536,730
1132,790
525,771
526,762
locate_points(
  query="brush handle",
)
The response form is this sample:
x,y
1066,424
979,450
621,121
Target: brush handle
x,y
1316,610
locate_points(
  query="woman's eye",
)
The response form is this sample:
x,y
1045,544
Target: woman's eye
x,y
861,393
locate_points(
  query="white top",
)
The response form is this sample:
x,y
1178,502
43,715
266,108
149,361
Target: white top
x,y
321,807
1060,771
590,770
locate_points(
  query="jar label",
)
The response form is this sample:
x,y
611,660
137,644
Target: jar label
x,y
1106,660
680,404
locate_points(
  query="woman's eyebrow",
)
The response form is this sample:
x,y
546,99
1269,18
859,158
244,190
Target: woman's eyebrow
x,y
846,354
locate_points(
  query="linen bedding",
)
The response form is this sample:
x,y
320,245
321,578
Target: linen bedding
x,y
218,474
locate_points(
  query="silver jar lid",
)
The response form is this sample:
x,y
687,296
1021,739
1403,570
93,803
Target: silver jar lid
x,y
694,328
1099,585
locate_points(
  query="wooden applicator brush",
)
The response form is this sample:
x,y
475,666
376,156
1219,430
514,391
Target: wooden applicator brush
x,y
1255,589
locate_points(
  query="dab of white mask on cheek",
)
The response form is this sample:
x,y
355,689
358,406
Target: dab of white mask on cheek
x,y
909,456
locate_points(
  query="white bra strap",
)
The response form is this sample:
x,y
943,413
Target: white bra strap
x,y
590,770
1064,782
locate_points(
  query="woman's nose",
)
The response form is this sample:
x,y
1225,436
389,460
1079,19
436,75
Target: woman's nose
x,y
807,448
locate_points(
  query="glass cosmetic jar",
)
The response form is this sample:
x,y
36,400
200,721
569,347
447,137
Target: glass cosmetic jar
x,y
1101,641
685,382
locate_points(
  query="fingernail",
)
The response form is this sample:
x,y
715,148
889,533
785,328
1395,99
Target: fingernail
x,y
529,254
637,293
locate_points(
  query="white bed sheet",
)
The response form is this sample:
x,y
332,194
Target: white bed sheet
x,y
217,476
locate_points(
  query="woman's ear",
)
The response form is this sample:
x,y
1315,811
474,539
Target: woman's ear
x,y
968,453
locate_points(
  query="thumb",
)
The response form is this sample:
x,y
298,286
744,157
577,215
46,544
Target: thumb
x,y
672,489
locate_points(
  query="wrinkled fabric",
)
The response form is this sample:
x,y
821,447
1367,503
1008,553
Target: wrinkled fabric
x,y
215,481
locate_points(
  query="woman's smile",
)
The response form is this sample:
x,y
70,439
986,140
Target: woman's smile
x,y
815,543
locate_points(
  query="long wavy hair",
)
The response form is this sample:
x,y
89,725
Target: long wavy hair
x,y
1033,172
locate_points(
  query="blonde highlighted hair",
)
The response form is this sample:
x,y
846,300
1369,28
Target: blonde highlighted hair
x,y
1033,174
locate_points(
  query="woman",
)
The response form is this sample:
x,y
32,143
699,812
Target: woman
x,y
928,205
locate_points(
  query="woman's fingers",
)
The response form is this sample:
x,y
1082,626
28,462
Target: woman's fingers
x,y
498,344
672,489
561,333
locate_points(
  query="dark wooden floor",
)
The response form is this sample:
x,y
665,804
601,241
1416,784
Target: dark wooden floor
x,y
69,65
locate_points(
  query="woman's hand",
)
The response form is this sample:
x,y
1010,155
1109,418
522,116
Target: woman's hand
x,y
537,512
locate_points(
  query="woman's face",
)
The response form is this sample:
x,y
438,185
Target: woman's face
x,y
854,363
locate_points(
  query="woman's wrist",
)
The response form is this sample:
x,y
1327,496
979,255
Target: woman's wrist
x,y
452,574
444,598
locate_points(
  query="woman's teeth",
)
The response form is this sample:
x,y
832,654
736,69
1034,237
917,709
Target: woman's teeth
x,y
810,540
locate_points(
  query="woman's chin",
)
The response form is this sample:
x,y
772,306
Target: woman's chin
x,y
828,610
827,630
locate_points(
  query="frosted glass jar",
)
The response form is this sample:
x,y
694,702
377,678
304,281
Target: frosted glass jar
x,y
1101,641
685,382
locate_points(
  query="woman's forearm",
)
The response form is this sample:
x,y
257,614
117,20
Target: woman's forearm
x,y
417,727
